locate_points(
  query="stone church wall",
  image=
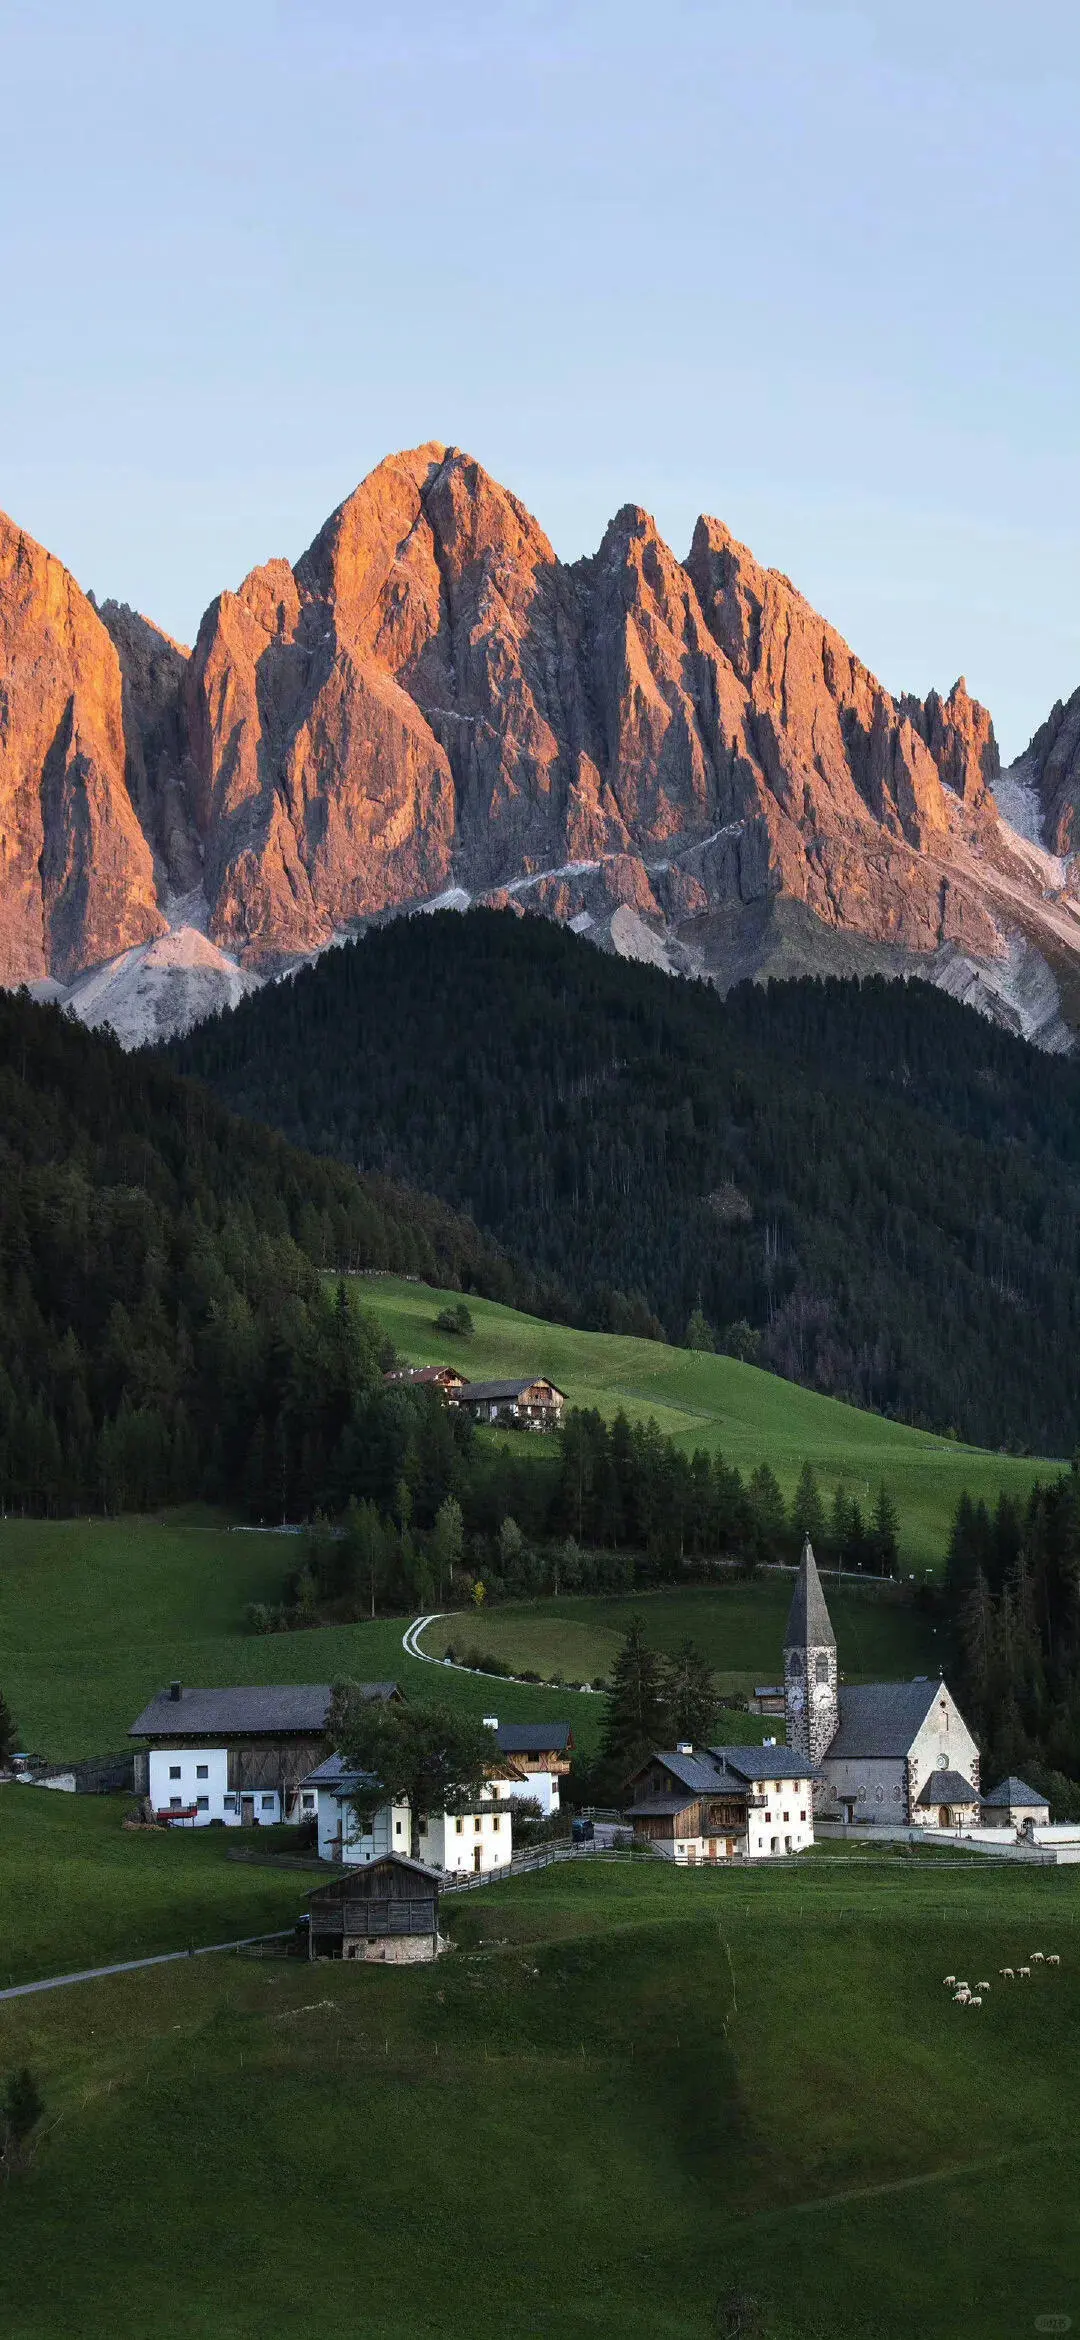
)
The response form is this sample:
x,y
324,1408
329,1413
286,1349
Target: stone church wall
x,y
876,1785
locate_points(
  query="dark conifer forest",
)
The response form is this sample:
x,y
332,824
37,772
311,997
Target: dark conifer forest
x,y
862,1185
167,1330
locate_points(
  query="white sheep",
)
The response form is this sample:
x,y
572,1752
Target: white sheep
x,y
949,1981
1024,1973
975,2002
1038,1957
983,1986
963,1986
960,1998
1007,1973
1053,1959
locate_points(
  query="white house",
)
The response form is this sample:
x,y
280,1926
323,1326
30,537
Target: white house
x,y
237,1757
700,1805
537,1759
476,1841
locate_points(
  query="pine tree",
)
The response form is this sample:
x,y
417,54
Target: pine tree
x,y
445,1543
768,1513
690,1696
635,1714
808,1510
699,1332
885,1533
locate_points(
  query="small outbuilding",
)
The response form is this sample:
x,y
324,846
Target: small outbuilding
x,y
386,1913
1012,1804
951,1799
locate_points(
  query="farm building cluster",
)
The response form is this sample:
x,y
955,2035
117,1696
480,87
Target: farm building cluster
x,y
506,1405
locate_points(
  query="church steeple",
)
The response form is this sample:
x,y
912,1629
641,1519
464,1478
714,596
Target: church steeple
x,y
811,1694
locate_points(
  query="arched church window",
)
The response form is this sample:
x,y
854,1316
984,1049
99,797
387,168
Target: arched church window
x,y
821,1669
795,1662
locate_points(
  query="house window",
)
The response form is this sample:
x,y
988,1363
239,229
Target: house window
x,y
267,1803
787,1815
496,1823
477,1825
880,1794
397,1828
768,1816
459,1827
202,1771
175,1803
802,1815
202,1804
772,1843
308,1800
174,1771
230,1803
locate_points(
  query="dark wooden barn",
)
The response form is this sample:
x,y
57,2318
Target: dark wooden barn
x,y
385,1911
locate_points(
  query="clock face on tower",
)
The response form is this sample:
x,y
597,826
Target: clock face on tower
x,y
795,1696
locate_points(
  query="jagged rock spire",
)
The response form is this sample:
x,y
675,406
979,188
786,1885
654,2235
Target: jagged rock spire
x,y
809,1624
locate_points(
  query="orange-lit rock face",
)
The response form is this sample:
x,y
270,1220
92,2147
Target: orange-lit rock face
x,y
431,698
76,872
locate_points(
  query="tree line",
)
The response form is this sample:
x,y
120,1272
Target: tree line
x,y
436,1515
862,1185
1012,1593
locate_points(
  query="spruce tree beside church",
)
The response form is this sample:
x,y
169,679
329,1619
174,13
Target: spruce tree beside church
x,y
636,1715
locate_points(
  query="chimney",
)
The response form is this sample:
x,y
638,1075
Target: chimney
x,y
176,1690
491,1722
685,1747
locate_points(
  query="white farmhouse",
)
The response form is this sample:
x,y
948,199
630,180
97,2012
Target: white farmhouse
x,y
537,1758
699,1805
236,1757
475,1842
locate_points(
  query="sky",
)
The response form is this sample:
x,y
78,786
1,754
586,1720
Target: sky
x,y
810,267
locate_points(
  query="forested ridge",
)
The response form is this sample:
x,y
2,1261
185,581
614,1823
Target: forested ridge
x,y
166,1326
862,1185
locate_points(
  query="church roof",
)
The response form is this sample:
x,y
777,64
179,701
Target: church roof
x,y
1014,1791
881,1718
948,1787
809,1624
765,1762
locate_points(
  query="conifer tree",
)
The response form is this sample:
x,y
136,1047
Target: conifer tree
x,y
885,1533
635,1710
808,1510
690,1696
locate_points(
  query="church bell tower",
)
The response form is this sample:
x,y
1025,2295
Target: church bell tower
x,y
811,1694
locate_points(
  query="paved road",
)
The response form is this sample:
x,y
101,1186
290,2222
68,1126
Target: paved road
x,y
60,1982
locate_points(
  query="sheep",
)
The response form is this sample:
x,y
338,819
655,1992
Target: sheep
x,y
963,1986
975,2002
1038,1957
1052,1958
960,1998
982,1986
1024,1973
949,1981
1007,1973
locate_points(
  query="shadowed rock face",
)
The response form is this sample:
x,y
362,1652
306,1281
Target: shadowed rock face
x,y
1052,766
430,700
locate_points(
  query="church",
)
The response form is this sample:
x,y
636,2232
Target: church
x,y
892,1753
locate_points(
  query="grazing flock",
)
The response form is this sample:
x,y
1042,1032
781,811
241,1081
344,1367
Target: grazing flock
x,y
964,1996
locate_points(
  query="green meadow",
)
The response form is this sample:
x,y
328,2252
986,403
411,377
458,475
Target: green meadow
x,y
95,1615
740,1627
704,1401
628,2095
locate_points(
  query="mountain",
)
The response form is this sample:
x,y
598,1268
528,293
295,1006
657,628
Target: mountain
x,y
679,758
860,1184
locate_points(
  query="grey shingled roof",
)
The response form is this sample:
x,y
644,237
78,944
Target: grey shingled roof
x,y
881,1718
809,1623
279,1710
699,1771
332,1774
1013,1791
533,1738
659,1807
481,1391
765,1762
948,1787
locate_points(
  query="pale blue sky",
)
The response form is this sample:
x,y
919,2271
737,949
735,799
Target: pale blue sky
x,y
810,267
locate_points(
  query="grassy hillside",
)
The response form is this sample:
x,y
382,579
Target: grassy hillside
x,y
714,1402
96,1615
626,2094
740,1627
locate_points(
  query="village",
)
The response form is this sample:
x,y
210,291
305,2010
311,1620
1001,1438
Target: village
x,y
883,1760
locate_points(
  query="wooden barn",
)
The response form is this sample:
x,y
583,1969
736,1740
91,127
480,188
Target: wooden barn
x,y
513,1405
386,1912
